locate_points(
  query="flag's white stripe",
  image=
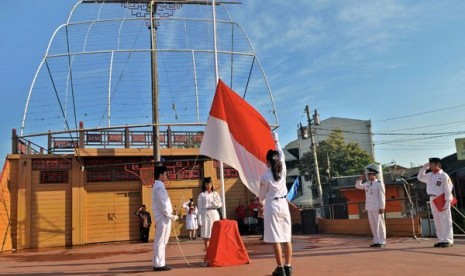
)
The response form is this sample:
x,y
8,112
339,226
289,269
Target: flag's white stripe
x,y
219,144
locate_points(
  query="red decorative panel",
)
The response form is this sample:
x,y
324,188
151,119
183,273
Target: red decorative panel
x,y
115,138
51,164
53,177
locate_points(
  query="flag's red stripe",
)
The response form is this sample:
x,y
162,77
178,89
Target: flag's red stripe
x,y
246,125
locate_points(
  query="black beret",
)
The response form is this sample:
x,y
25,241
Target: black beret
x,y
370,170
435,160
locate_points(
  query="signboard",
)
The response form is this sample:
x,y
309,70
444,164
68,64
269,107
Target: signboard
x,y
460,145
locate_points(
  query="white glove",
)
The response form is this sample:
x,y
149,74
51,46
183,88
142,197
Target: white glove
x,y
275,136
174,218
446,205
425,166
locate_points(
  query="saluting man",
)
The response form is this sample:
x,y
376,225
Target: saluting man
x,y
437,183
375,204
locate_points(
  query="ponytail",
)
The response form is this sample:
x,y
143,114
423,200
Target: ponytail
x,y
276,166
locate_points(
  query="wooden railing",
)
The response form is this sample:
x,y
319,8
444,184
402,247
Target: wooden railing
x,y
123,137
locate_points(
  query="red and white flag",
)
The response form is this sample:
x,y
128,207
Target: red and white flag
x,y
237,135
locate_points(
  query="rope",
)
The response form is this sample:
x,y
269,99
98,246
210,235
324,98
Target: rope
x,y
76,148
178,212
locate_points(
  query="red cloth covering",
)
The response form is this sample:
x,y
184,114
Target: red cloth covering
x,y
226,247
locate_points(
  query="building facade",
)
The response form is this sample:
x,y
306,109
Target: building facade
x,y
91,196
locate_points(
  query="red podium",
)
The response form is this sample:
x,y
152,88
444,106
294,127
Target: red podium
x,y
226,247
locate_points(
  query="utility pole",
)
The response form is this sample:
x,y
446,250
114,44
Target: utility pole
x,y
330,188
155,119
316,121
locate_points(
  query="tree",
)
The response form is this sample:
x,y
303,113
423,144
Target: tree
x,y
344,158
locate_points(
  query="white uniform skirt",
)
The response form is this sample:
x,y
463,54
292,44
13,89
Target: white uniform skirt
x,y
191,222
277,223
208,218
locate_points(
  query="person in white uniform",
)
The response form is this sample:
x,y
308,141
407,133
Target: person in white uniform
x,y
163,214
208,203
437,183
277,218
375,204
191,218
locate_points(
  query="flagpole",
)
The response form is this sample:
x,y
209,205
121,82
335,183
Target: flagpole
x,y
217,78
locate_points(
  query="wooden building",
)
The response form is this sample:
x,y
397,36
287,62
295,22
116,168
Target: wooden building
x,y
91,196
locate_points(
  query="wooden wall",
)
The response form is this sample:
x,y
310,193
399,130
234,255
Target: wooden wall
x,y
63,214
51,213
5,209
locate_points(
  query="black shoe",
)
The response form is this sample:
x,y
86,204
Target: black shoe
x,y
162,268
279,271
374,245
438,244
446,244
288,270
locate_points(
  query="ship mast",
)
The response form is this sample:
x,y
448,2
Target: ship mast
x,y
155,88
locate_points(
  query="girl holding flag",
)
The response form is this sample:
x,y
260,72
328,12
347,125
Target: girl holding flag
x,y
273,191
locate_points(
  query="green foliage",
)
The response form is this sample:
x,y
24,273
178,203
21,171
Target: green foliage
x,y
344,158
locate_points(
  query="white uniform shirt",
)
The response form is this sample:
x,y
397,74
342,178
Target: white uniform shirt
x,y
269,187
375,194
436,183
161,203
209,201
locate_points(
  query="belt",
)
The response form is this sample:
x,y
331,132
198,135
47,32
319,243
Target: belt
x,y
212,208
432,195
276,198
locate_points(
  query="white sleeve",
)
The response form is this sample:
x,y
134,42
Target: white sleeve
x,y
185,205
359,185
217,200
200,202
422,176
448,189
382,196
262,190
161,199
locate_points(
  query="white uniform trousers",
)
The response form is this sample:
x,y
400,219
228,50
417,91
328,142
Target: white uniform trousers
x,y
443,225
378,227
162,236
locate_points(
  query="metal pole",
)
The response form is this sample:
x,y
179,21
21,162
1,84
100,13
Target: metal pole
x,y
153,39
315,158
217,78
196,87
109,88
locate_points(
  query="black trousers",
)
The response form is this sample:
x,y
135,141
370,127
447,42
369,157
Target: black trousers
x,y
242,226
144,234
261,226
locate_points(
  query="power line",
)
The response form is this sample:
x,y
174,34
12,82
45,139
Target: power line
x,y
418,114
395,134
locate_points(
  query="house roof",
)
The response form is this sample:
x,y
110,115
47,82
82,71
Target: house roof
x,y
289,157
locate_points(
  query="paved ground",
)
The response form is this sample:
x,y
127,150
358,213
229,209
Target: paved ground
x,y
314,255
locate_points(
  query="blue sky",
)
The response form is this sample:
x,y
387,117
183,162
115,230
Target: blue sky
x,y
373,60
